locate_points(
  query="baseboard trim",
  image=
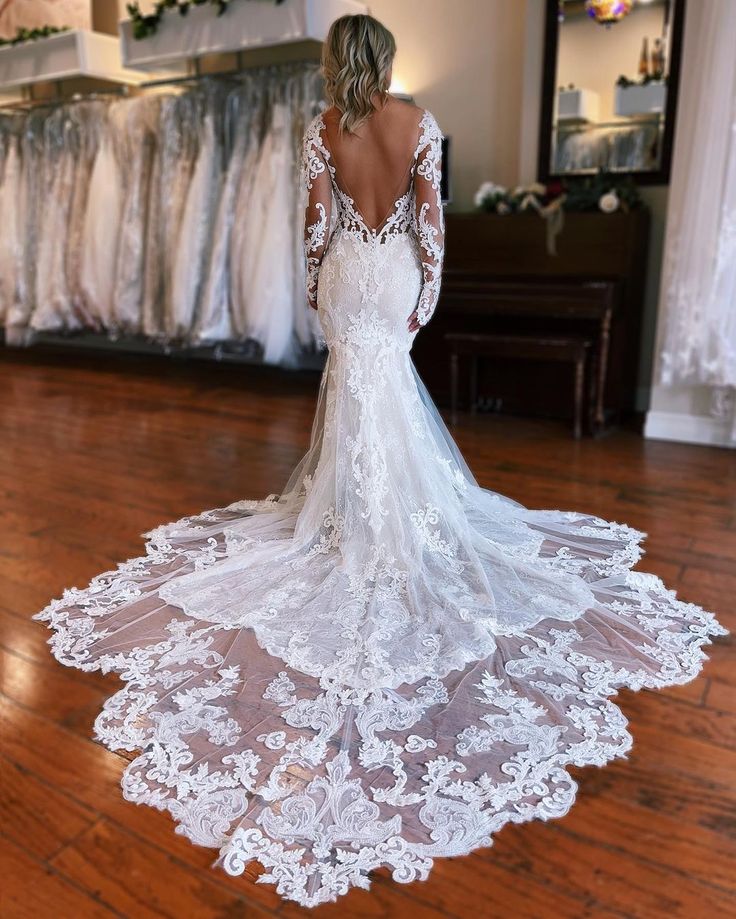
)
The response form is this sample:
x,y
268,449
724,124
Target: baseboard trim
x,y
691,429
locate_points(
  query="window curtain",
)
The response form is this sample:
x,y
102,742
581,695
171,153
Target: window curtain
x,y
698,293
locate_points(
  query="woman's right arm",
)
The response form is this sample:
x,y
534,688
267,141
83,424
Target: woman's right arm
x,y
316,178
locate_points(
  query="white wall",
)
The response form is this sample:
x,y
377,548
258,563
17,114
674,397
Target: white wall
x,y
464,60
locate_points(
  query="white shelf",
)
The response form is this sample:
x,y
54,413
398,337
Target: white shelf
x,y
76,53
244,26
577,105
646,99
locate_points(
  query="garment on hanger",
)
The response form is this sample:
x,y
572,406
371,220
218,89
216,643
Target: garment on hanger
x,y
270,318
138,145
10,204
244,243
102,222
88,116
193,251
17,320
162,215
53,310
214,321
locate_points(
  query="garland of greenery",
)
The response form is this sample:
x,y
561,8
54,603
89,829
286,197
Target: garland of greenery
x,y
643,81
145,25
32,35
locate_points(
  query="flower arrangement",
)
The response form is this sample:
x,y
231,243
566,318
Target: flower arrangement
x,y
603,191
145,25
498,199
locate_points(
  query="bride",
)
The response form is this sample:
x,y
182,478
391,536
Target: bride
x,y
386,663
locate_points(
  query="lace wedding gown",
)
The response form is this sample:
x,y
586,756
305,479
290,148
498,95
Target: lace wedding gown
x,y
386,663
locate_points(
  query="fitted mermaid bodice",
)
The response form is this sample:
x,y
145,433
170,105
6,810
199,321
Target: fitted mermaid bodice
x,y
336,211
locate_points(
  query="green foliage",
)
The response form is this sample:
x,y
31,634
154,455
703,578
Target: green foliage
x,y
624,81
146,25
32,35
584,193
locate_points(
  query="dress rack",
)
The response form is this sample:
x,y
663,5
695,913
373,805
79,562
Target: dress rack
x,y
233,351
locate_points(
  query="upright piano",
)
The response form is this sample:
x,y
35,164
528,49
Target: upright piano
x,y
500,277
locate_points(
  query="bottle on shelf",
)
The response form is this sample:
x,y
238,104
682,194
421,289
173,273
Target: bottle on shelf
x,y
658,61
644,59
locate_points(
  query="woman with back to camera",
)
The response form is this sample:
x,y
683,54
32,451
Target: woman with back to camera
x,y
386,663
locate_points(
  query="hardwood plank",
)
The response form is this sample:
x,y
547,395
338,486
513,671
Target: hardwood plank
x,y
21,635
722,695
36,816
136,879
51,690
30,890
681,717
693,801
90,774
706,855
578,866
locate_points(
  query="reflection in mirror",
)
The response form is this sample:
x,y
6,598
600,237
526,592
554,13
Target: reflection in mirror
x,y
610,82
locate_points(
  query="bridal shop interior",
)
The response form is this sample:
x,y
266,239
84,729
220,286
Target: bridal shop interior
x,y
158,355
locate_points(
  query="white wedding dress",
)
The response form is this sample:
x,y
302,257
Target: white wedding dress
x,y
386,663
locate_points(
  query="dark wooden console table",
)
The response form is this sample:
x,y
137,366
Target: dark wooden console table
x,y
500,278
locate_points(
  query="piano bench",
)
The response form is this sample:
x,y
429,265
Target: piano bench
x,y
573,351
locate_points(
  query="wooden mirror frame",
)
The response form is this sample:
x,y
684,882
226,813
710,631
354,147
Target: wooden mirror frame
x,y
659,176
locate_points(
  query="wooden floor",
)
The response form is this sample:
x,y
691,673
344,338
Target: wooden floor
x,y
94,451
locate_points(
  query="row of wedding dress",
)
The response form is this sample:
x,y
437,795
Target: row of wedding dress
x,y
625,148
174,216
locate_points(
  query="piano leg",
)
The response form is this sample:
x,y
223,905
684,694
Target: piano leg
x,y
454,374
473,384
578,402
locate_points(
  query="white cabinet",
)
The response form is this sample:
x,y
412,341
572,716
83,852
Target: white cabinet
x,y
578,105
647,99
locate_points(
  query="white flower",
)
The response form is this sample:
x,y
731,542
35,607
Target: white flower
x,y
488,190
609,202
502,208
536,188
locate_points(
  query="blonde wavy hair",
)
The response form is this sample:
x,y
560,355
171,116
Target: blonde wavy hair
x,y
356,64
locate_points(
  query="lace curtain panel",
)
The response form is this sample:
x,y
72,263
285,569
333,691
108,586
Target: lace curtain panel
x,y
698,305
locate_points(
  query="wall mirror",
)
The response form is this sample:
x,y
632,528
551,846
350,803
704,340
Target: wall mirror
x,y
609,93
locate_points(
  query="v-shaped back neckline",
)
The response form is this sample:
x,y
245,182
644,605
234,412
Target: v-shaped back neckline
x,y
344,190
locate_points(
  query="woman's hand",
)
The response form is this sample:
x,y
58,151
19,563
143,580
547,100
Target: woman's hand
x,y
414,324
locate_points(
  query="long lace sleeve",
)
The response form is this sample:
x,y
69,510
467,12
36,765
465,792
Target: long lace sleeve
x,y
316,178
430,220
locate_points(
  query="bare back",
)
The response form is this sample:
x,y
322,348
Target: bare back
x,y
373,165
